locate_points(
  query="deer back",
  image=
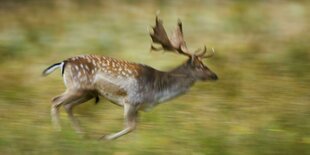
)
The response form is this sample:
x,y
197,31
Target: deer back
x,y
83,71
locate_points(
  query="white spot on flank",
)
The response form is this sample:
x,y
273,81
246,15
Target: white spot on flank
x,y
88,60
94,63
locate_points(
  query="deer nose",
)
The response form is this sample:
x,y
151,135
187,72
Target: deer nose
x,y
214,77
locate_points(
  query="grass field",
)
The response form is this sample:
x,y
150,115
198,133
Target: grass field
x,y
260,104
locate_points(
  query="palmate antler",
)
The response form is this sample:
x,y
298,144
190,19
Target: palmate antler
x,y
175,43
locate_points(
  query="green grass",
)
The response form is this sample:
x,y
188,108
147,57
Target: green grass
x,y
259,105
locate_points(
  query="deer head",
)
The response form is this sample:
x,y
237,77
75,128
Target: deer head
x,y
176,43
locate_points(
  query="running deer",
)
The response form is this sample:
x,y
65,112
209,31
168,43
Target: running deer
x,y
133,86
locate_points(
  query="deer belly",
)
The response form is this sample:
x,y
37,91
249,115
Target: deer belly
x,y
111,91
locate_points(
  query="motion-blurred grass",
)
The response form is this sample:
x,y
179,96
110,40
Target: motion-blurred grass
x,y
260,105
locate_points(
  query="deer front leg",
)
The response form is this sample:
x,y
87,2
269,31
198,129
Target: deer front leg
x,y
130,114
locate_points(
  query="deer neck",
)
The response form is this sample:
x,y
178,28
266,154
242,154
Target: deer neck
x,y
168,85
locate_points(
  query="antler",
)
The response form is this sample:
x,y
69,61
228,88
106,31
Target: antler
x,y
202,54
175,43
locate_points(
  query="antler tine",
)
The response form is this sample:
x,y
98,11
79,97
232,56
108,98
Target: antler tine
x,y
153,48
177,40
210,55
202,53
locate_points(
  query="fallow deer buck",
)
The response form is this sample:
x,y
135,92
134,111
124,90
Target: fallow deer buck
x,y
130,85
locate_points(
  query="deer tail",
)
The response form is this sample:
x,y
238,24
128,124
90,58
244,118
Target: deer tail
x,y
53,67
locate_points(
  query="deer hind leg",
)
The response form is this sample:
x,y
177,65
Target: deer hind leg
x,y
130,114
69,109
55,112
66,97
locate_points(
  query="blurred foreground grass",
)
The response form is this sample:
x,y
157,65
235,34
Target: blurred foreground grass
x,y
260,105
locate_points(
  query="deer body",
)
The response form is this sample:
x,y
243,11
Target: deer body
x,y
119,81
130,85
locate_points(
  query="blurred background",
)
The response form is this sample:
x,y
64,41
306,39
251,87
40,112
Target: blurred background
x,y
260,104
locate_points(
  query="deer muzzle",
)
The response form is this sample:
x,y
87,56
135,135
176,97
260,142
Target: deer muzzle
x,y
213,77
